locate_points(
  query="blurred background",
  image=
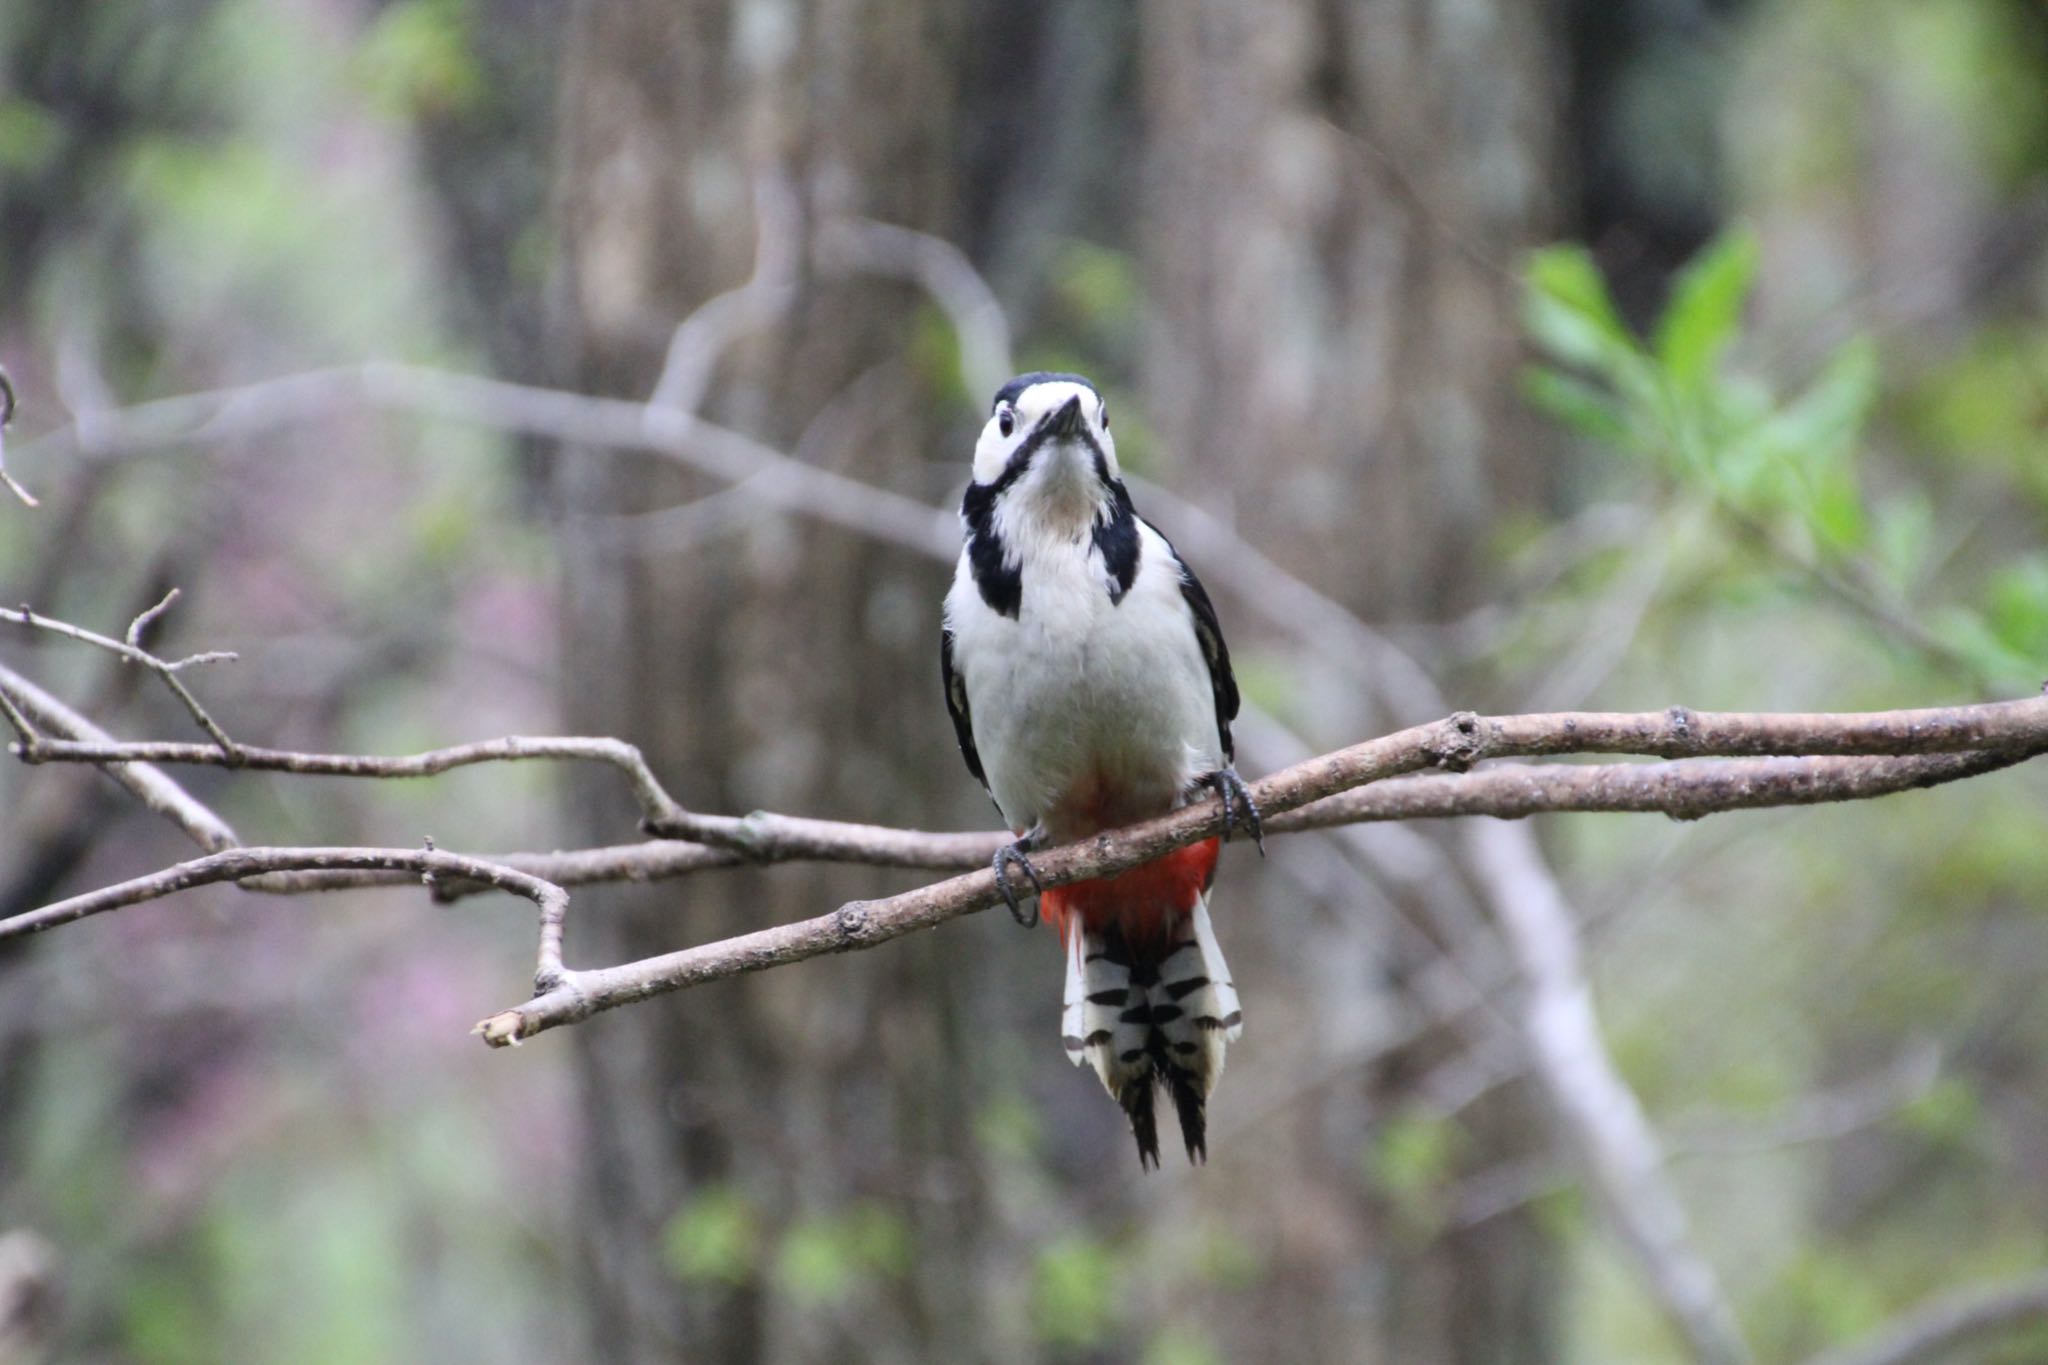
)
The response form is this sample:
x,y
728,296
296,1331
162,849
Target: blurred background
x,y
1495,354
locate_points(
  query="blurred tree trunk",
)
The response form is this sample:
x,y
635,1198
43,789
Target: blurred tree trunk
x,y
774,664
1338,192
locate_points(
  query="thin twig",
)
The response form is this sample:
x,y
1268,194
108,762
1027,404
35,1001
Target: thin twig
x,y
703,337
146,782
1964,741
27,740
6,416
522,409
131,653
943,271
235,864
149,618
659,809
1939,1328
1825,1116
1685,789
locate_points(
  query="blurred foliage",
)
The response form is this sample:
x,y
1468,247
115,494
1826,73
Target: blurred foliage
x,y
1782,474
1411,1162
1077,1291
716,1236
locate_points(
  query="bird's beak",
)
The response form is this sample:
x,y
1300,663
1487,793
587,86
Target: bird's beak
x,y
1067,421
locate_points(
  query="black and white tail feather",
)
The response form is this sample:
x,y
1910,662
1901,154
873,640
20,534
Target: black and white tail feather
x,y
1147,1020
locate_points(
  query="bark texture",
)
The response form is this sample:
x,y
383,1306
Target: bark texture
x,y
797,1096
1337,192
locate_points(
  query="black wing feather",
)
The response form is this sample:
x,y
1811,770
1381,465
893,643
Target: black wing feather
x,y
1209,634
956,707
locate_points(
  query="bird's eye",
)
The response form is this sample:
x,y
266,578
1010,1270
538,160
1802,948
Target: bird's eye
x,y
1006,420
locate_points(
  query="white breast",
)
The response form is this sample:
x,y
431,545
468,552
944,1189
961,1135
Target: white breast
x,y
1087,713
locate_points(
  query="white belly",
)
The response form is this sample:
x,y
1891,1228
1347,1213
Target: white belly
x,y
1087,714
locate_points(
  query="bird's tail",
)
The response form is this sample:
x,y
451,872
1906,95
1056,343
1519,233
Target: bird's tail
x,y
1151,1006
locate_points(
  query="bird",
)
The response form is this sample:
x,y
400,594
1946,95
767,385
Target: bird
x,y
1090,687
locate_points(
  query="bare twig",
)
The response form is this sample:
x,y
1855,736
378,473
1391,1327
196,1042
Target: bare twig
x,y
943,271
645,862
234,864
1683,789
149,618
6,416
2002,734
147,783
1936,1330
26,738
1856,588
1824,1116
573,418
2004,728
720,321
129,652
659,809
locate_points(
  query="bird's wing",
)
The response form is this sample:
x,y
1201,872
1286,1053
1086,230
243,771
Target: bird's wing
x,y
956,707
1209,635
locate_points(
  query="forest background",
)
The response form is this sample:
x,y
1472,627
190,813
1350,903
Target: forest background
x,y
1479,353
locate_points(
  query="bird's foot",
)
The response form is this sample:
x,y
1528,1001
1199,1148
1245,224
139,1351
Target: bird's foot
x,y
1239,810
1013,854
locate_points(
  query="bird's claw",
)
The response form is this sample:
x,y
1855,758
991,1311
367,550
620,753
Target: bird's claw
x,y
1239,809
1014,853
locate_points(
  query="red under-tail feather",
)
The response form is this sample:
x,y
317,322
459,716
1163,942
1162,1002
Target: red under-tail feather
x,y
1143,904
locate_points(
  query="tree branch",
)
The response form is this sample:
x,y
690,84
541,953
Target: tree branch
x,y
1684,789
235,864
6,416
28,706
1940,1327
2006,727
130,652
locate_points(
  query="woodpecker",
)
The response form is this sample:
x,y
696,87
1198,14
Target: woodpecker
x,y
1090,687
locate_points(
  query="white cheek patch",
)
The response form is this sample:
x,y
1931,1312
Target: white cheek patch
x,y
991,454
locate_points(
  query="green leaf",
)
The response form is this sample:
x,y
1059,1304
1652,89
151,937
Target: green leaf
x,y
1705,313
1590,411
1411,1161
1182,1345
31,137
2016,609
823,1260
1903,537
419,58
813,1264
1797,458
1949,1114
1836,514
879,1239
716,1236
1824,423
1075,1289
1971,636
1569,311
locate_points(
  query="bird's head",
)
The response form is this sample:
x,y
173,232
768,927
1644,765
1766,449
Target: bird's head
x,y
1046,459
